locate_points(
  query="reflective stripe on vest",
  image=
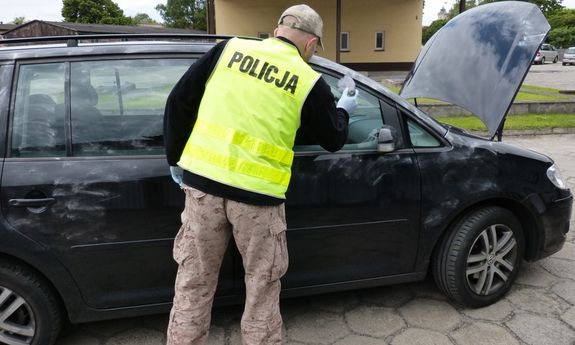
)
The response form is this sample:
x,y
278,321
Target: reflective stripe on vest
x,y
241,166
246,141
249,115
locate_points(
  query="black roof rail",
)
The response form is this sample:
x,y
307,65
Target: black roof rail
x,y
72,40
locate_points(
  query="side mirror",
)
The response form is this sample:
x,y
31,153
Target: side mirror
x,y
386,140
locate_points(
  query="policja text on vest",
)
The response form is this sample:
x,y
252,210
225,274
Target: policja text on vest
x,y
268,73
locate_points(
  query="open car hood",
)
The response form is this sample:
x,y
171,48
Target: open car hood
x,y
479,59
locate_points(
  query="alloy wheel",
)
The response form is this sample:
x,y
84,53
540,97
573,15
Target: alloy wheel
x,y
491,260
17,323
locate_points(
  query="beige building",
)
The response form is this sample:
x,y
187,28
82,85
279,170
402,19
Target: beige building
x,y
362,34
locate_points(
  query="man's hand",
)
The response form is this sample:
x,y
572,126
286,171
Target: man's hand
x,y
347,102
177,175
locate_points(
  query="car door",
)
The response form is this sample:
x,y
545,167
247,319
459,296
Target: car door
x,y
87,177
548,52
353,214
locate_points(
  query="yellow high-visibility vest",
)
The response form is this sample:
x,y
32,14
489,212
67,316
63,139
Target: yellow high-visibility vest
x,y
249,116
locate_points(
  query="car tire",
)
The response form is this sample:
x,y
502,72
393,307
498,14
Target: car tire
x,y
35,314
477,262
556,59
542,61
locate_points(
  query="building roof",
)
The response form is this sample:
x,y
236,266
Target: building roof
x,y
123,29
82,28
6,27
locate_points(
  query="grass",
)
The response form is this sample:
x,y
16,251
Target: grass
x,y
517,122
526,93
538,93
513,122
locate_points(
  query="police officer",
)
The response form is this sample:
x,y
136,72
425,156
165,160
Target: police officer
x,y
245,100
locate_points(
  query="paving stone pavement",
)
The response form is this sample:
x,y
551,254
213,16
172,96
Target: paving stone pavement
x,y
539,310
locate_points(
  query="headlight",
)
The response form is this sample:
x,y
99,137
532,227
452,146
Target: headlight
x,y
555,177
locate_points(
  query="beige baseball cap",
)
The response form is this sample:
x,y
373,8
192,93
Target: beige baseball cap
x,y
308,20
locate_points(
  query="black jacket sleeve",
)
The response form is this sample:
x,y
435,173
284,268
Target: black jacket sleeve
x,y
321,122
184,101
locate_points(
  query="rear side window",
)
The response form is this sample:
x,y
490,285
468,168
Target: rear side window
x,y
113,107
117,106
38,122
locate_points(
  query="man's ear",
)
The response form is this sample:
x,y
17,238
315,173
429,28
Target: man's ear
x,y
276,32
311,42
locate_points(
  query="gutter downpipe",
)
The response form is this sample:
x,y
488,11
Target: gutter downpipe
x,y
211,17
337,30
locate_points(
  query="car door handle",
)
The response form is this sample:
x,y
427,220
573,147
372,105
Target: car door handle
x,y
31,202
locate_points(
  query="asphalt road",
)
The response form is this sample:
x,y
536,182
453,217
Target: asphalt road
x,y
553,75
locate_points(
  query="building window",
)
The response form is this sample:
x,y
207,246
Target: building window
x,y
264,35
380,40
344,42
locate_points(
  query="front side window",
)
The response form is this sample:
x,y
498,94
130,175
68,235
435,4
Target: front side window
x,y
117,106
38,122
420,137
364,123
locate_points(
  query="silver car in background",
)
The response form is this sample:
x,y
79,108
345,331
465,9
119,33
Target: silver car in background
x,y
547,52
569,56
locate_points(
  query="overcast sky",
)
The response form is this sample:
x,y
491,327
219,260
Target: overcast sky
x,y
51,9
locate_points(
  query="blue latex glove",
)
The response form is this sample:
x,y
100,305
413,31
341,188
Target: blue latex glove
x,y
177,174
347,102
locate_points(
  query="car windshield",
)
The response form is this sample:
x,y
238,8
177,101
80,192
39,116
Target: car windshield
x,y
571,51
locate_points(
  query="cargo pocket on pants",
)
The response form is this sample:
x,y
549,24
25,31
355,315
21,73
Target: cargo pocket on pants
x,y
181,249
281,258
183,243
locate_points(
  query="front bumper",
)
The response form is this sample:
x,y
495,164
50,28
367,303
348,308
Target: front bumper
x,y
555,220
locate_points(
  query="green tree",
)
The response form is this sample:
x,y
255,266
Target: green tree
x,y
562,37
548,6
562,28
94,12
185,14
565,17
143,18
19,20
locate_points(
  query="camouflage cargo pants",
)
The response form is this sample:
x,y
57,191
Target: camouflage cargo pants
x,y
208,222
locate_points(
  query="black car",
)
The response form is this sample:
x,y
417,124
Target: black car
x,y
89,211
